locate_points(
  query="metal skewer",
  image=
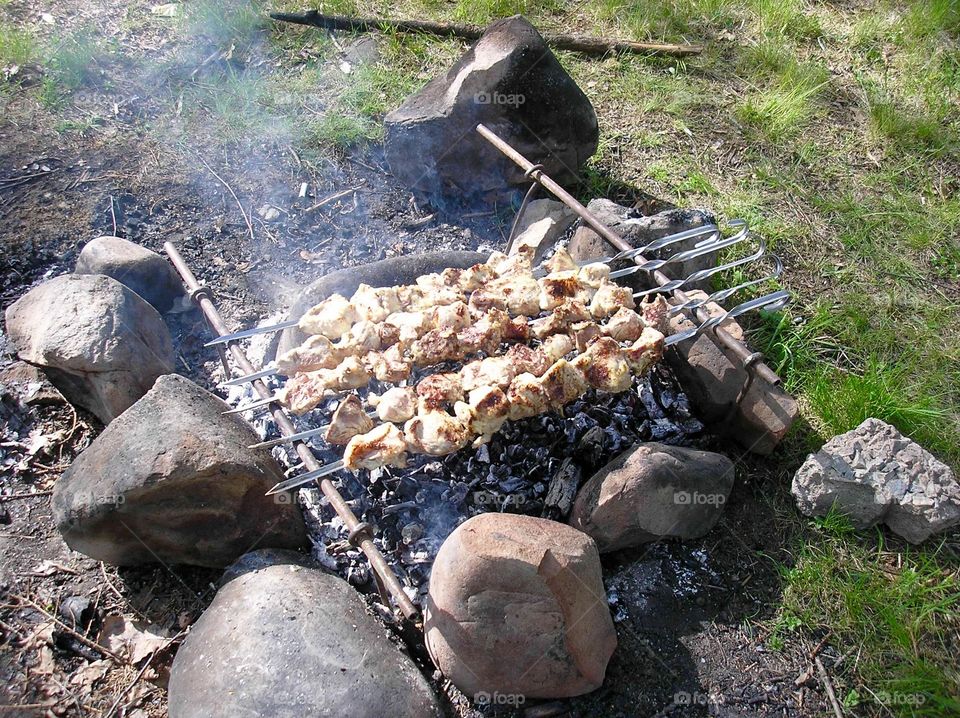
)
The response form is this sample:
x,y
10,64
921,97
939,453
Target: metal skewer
x,y
252,332
296,482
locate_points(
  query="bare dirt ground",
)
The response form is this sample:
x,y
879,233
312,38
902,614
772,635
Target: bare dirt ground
x,y
690,616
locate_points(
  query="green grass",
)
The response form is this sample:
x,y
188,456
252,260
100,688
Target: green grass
x,y
785,102
17,47
895,609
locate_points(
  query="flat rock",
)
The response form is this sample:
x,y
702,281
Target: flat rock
x,y
97,341
652,492
136,267
384,273
874,474
639,230
517,607
286,641
510,81
172,480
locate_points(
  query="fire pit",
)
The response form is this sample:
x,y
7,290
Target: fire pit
x,y
525,468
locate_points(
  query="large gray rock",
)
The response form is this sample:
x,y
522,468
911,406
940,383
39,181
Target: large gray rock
x,y
510,81
285,641
639,230
651,492
517,607
145,272
874,474
98,342
172,480
386,272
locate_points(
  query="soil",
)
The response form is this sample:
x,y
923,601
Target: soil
x,y
689,616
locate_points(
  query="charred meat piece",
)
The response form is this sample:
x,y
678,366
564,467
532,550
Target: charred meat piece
x,y
436,433
437,345
559,286
563,383
396,405
605,366
527,397
609,298
646,351
624,326
656,314
557,346
348,420
517,331
561,261
520,292
381,446
487,411
438,390
390,366
484,299
583,333
494,371
331,318
476,276
526,360
485,335
376,303
306,390
560,319
317,352
595,274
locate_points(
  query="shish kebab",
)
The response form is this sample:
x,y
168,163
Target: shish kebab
x,y
499,264
433,430
306,389
390,349
513,289
354,361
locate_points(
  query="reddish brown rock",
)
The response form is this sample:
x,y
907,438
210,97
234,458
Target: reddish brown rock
x,y
517,607
652,492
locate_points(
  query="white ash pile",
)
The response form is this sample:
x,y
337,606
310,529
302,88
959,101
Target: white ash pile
x,y
533,467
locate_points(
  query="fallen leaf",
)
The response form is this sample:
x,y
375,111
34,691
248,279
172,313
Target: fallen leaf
x,y
46,665
131,639
85,676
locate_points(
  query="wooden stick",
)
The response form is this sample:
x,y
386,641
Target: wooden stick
x,y
64,627
825,679
576,43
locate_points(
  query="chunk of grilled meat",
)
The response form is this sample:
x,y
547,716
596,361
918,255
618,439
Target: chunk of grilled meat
x,y
563,383
559,320
438,390
646,351
561,261
436,433
396,405
317,352
390,365
656,314
557,346
604,366
348,420
624,326
487,411
376,303
331,318
496,371
527,396
383,445
525,359
609,298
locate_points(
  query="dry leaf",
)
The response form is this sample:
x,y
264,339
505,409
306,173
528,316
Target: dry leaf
x,y
131,639
46,665
85,676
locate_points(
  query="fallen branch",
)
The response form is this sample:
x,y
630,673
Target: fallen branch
x,y
64,627
576,43
246,217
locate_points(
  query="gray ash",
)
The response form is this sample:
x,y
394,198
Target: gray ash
x,y
414,510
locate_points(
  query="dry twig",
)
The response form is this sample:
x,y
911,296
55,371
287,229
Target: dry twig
x,y
246,217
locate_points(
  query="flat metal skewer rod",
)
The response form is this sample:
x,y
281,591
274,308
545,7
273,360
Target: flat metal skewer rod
x,y
535,173
360,532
